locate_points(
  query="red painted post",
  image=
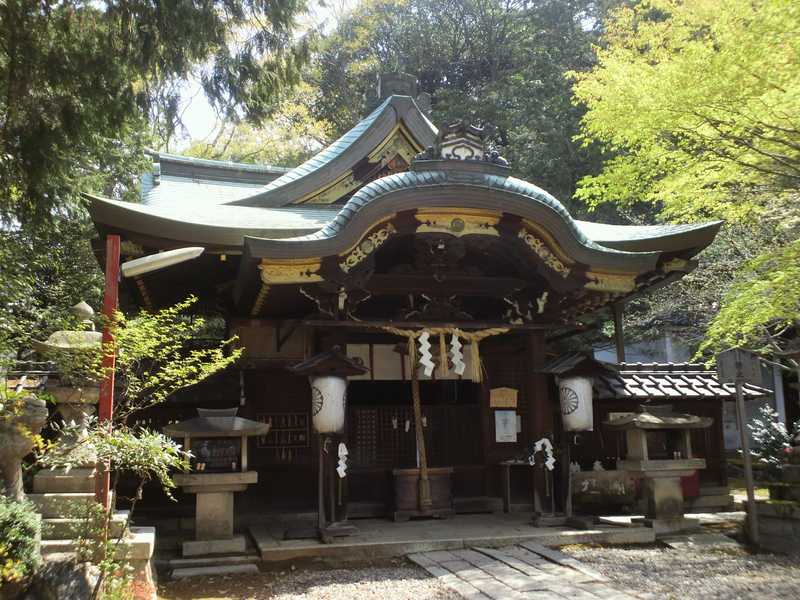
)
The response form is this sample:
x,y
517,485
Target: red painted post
x,y
105,408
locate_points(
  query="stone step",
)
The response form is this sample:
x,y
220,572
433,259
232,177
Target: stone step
x,y
59,481
55,506
724,501
69,528
714,490
208,561
214,570
138,545
477,504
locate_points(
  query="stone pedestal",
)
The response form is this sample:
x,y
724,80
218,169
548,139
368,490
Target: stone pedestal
x,y
663,492
214,510
779,517
75,405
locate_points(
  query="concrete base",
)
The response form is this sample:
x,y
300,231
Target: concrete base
x,y
378,538
665,527
223,546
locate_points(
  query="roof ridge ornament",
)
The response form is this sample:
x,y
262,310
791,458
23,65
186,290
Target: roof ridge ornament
x,y
464,141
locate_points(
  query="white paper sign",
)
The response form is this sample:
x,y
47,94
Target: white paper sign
x,y
505,426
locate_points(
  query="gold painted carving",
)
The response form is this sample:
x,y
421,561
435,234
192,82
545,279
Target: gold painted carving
x,y
259,302
290,272
543,251
676,264
397,143
611,282
367,246
456,223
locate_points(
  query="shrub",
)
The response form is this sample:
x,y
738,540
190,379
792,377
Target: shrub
x,y
772,440
19,540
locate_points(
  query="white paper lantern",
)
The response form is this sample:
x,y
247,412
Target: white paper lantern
x,y
575,394
328,397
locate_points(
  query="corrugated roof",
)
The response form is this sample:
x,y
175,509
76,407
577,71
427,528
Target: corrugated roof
x,y
665,381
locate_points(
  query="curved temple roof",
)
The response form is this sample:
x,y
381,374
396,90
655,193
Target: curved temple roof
x,y
292,217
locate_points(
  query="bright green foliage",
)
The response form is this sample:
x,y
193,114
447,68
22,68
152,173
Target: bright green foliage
x,y
81,82
155,357
762,306
698,104
19,531
701,101
146,455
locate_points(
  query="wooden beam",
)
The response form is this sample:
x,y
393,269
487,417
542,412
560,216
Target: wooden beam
x,y
466,325
619,333
400,284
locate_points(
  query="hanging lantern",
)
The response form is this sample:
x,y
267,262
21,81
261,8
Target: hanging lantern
x,y
328,398
327,373
575,395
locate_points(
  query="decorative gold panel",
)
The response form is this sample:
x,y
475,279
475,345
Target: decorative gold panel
x,y
543,251
457,222
366,246
290,271
611,282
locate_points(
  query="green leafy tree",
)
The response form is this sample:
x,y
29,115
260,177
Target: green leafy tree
x,y
698,104
156,356
501,61
81,82
46,269
289,137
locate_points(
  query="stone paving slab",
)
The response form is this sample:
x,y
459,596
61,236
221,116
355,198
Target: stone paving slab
x,y
532,572
700,540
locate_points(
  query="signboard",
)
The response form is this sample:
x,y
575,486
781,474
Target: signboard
x,y
503,397
750,366
505,426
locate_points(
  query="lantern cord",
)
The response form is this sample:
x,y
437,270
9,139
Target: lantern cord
x,y
443,354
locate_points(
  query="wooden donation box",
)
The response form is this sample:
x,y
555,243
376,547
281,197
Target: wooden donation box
x,y
660,448
218,441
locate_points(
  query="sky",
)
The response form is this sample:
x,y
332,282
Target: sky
x,y
199,117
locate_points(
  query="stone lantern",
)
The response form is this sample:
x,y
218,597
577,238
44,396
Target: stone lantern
x,y
659,446
76,402
327,374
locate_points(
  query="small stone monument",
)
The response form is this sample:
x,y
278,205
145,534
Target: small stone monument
x,y
218,439
660,448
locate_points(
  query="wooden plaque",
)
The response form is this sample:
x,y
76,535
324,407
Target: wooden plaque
x,y
503,397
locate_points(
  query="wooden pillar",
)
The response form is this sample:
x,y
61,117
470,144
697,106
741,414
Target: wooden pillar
x,y
105,407
540,405
619,332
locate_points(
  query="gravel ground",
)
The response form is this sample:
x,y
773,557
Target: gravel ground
x,y
662,573
397,580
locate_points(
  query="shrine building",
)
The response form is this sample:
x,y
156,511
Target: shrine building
x,y
395,229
